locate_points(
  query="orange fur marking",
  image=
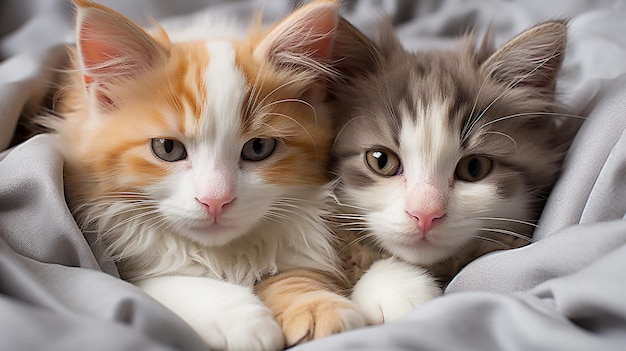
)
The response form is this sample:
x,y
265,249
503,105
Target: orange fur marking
x,y
121,143
307,304
271,109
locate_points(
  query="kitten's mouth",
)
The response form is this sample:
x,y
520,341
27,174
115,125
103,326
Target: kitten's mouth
x,y
210,234
217,227
417,240
432,241
420,241
210,227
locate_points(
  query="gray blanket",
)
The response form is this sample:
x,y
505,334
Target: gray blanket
x,y
565,291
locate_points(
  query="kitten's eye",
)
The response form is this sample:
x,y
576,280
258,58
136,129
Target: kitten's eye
x,y
383,162
473,168
169,150
258,149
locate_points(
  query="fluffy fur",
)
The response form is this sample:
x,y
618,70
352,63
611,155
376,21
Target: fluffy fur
x,y
199,161
444,156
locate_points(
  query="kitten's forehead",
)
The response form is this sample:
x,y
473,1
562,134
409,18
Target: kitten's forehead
x,y
220,119
204,91
428,142
438,92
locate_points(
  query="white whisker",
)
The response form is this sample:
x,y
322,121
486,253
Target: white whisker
x,y
300,101
483,238
297,123
469,124
343,129
507,232
531,114
260,104
358,239
506,136
509,220
504,92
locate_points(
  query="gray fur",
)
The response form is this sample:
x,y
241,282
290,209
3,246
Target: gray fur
x,y
480,87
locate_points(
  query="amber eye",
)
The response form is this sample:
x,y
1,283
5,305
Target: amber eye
x,y
473,168
258,149
169,150
383,162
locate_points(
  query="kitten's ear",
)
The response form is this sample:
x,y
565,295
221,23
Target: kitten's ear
x,y
353,53
304,40
111,49
388,40
532,58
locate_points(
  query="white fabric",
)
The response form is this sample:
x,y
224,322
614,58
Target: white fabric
x,y
565,291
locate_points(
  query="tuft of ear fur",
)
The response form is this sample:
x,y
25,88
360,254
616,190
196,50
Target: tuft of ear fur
x,y
388,40
353,53
532,58
354,57
304,40
111,50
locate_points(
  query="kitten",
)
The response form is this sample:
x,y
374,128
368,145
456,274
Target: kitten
x,y
198,157
443,156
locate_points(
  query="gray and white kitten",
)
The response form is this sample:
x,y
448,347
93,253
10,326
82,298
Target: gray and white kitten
x,y
443,156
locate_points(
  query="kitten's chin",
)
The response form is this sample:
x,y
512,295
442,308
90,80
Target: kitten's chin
x,y
212,235
416,251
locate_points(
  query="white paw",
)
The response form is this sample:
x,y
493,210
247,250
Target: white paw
x,y
227,316
391,288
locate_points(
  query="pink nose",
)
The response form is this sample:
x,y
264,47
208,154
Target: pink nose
x,y
425,221
215,206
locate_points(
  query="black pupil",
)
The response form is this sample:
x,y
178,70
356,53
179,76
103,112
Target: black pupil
x,y
257,146
381,157
474,166
168,145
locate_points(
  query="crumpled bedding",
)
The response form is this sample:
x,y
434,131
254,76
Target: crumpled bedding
x,y
565,291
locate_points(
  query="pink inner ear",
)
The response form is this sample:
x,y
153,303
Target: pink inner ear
x,y
112,51
94,53
304,39
100,52
322,48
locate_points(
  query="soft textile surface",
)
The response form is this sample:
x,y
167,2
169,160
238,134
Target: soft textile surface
x,y
565,291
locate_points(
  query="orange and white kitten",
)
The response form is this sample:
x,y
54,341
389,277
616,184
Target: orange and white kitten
x,y
198,157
